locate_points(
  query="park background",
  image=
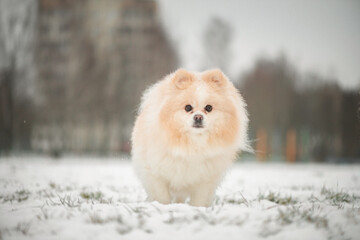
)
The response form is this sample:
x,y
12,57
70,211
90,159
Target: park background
x,y
71,77
72,72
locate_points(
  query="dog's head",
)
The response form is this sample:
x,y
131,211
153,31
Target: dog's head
x,y
203,105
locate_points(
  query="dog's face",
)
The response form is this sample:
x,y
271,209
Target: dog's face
x,y
199,105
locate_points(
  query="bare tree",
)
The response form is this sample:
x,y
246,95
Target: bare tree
x,y
270,92
17,23
217,39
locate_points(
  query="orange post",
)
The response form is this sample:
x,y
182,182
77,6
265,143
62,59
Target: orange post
x,y
261,145
291,146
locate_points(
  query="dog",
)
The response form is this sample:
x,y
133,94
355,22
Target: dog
x,y
188,131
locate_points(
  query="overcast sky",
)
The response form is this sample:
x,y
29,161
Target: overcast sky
x,y
316,35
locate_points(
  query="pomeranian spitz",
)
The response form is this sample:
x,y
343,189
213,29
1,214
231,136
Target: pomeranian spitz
x,y
188,131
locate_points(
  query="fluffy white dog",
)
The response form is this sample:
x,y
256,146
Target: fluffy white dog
x,y
188,131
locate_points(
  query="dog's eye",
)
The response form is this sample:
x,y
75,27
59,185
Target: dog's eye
x,y
208,108
188,108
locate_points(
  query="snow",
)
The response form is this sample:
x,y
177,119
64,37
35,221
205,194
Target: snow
x,y
101,198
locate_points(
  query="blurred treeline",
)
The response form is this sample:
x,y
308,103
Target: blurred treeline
x,y
300,117
72,73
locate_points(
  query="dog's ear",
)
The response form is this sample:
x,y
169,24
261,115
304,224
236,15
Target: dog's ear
x,y
215,77
182,79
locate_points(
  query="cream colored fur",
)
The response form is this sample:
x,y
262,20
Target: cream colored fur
x,y
176,161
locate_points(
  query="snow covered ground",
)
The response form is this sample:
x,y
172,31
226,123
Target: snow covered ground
x,y
100,198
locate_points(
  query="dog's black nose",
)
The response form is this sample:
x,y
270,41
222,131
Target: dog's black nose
x,y
198,118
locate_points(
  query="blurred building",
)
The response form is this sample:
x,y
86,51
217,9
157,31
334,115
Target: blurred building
x,y
94,59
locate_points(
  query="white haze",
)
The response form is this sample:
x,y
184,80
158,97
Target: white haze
x,y
317,36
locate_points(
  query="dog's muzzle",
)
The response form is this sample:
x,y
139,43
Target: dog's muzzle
x,y
198,121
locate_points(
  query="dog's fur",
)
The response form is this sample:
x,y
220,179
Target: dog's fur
x,y
176,160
